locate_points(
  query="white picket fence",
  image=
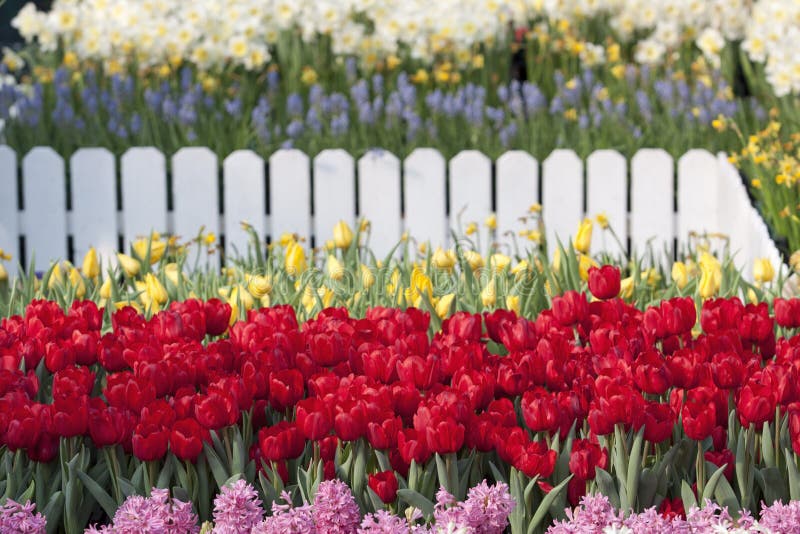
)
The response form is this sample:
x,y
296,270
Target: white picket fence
x,y
423,194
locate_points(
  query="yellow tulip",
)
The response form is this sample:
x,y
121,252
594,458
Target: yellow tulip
x,y
583,239
499,261
129,265
295,259
76,281
287,239
171,272
443,259
471,228
330,245
367,277
259,286
556,263
105,289
584,264
342,235
708,283
602,220
680,274
626,287
444,304
521,267
420,281
56,277
3,273
265,301
474,259
489,294
751,296
157,248
512,303
763,271
491,222
91,267
334,268
155,289
238,294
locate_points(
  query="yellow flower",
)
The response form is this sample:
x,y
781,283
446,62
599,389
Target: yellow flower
x,y
209,239
367,277
4,255
491,222
155,289
444,304
477,61
618,71
309,76
237,294
755,182
129,265
652,277
499,261
76,281
342,235
471,228
259,286
295,259
626,287
90,267
363,225
420,281
602,220
556,263
583,239
171,273
420,77
535,208
613,53
443,259
334,268
474,259
71,60
286,239
680,274
105,289
720,123
56,277
794,261
157,248
392,62
512,303
3,273
489,294
521,267
751,296
584,264
708,283
763,271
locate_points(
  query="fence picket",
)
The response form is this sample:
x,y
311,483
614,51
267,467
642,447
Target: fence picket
x,y
562,196
334,192
698,181
289,193
733,202
517,189
44,193
195,198
244,197
652,194
144,193
606,190
9,216
470,192
379,199
94,204
424,194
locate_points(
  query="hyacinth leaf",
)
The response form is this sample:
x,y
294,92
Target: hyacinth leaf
x,y
545,505
417,500
711,484
634,468
100,495
767,448
793,474
53,511
606,486
687,496
772,484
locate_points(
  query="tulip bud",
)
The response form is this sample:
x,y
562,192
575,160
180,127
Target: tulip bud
x,y
626,287
442,259
157,248
295,259
155,289
129,265
287,239
259,286
474,259
680,274
105,289
512,303
444,305
171,272
604,283
556,263
583,239
76,281
91,267
56,277
708,284
334,268
367,278
499,261
342,235
763,271
584,264
489,294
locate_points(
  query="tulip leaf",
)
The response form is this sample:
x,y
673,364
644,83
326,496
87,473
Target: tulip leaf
x,y
498,476
711,484
166,472
217,469
767,448
374,500
725,496
544,506
203,497
794,475
53,511
648,488
383,460
605,483
417,500
100,495
687,496
634,467
126,487
772,484
180,493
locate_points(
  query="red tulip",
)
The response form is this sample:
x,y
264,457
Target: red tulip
x,y
787,312
412,446
699,418
540,410
150,441
385,485
314,418
70,416
216,410
186,439
570,308
584,457
755,403
672,508
604,282
536,460
281,442
217,316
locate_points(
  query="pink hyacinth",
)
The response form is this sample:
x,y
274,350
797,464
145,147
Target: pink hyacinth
x,y
335,509
237,509
16,518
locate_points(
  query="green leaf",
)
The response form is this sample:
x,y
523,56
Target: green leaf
x,y
711,485
767,448
417,500
773,485
544,506
53,511
794,475
687,495
217,468
100,495
725,496
605,483
634,467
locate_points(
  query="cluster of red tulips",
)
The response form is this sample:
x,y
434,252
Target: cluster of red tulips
x,y
498,383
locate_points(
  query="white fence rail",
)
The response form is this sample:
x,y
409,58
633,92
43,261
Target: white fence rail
x,y
423,194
